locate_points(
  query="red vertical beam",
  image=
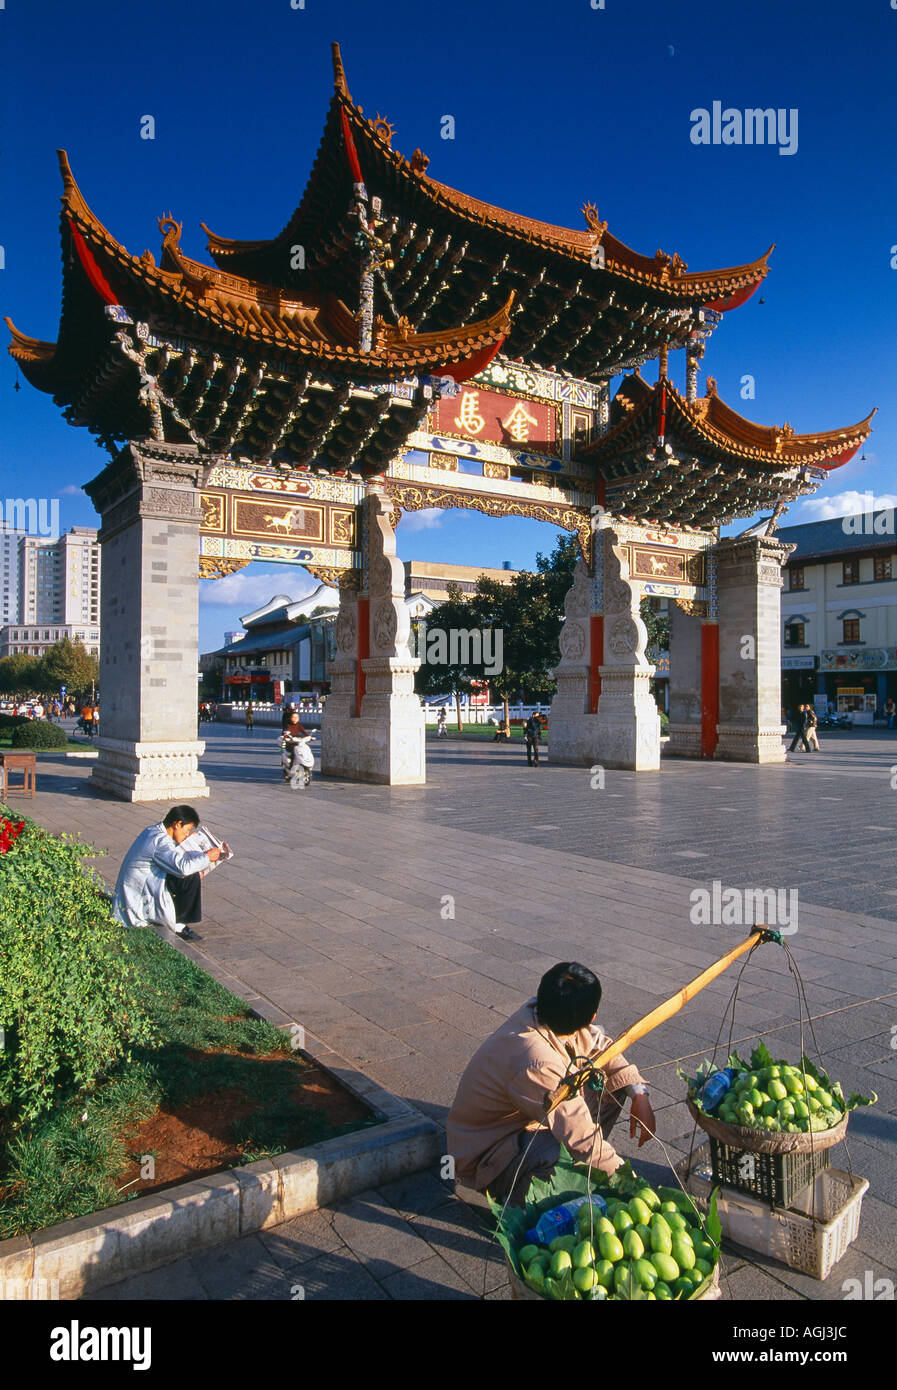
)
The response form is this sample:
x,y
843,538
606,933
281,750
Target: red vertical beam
x,y
709,687
364,650
596,659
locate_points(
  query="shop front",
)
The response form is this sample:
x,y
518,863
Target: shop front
x,y
859,682
800,681
249,684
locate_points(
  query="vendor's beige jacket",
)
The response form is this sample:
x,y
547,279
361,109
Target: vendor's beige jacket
x,y
502,1093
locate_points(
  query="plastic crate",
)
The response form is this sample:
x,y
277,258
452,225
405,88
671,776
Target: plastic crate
x,y
778,1179
811,1236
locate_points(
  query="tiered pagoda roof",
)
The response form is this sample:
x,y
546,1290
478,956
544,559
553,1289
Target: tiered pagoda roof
x,y
228,362
456,256
256,359
668,459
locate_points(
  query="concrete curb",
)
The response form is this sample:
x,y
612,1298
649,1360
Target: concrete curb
x,y
80,1256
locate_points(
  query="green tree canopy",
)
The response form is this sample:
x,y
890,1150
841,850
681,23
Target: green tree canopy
x,y
68,663
528,613
658,625
19,674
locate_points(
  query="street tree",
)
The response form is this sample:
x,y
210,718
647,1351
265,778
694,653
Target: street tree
x,y
19,674
444,678
70,664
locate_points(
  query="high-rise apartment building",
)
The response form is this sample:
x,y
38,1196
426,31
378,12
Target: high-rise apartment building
x,y
59,580
79,575
9,576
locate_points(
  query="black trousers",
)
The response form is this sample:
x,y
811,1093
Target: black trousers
x,y
532,751
802,735
186,894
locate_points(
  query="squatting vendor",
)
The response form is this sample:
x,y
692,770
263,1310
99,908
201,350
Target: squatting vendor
x,y
497,1130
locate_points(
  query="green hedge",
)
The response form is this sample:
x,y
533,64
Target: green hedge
x,y
39,733
69,1005
12,721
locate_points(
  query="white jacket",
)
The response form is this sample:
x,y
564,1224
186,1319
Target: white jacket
x,y
140,893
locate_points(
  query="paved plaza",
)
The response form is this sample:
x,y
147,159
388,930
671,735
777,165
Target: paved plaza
x,y
399,926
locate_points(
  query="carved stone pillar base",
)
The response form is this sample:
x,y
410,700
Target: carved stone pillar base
x,y
386,743
625,730
684,741
148,497
685,684
383,740
760,744
149,771
573,727
750,635
572,731
629,732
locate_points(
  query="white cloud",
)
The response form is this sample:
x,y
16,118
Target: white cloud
x,y
847,504
71,491
428,519
247,590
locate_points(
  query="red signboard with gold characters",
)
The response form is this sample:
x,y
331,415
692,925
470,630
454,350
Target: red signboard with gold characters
x,y
494,418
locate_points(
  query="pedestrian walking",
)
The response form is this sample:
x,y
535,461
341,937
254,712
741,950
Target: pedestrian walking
x,y
532,732
441,724
87,717
803,724
812,726
890,712
249,717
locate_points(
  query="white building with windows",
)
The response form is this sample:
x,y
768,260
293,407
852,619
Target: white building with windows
x,y
36,639
839,614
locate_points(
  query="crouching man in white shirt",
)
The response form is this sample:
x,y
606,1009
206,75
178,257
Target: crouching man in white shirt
x,y
159,881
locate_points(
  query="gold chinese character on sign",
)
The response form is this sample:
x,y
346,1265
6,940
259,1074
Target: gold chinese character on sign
x,y
518,423
469,417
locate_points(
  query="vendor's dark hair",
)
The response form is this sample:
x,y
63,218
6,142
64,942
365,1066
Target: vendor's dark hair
x,y
568,997
185,814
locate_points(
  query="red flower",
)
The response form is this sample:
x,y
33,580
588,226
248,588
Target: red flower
x,y
9,832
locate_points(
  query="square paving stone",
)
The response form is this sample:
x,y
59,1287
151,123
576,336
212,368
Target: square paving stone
x,y
877,1235
389,1011
177,1282
432,1279
339,1275
241,1269
417,1194
749,1282
464,1239
303,1238
375,1232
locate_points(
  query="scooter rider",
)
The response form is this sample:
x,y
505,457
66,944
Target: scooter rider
x,y
292,733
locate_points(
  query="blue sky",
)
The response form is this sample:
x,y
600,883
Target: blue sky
x,y
553,106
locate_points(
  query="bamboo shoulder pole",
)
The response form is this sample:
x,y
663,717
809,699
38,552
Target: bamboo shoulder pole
x,y
657,1016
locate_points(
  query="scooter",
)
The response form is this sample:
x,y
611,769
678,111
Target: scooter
x,y
298,760
835,721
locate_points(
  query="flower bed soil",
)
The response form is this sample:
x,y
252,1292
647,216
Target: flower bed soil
x,y
202,1136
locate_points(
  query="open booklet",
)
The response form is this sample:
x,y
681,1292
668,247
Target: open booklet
x,y
202,840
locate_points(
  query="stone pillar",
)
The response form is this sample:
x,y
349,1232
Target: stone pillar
x,y
624,732
685,683
373,728
573,724
628,715
749,572
148,499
